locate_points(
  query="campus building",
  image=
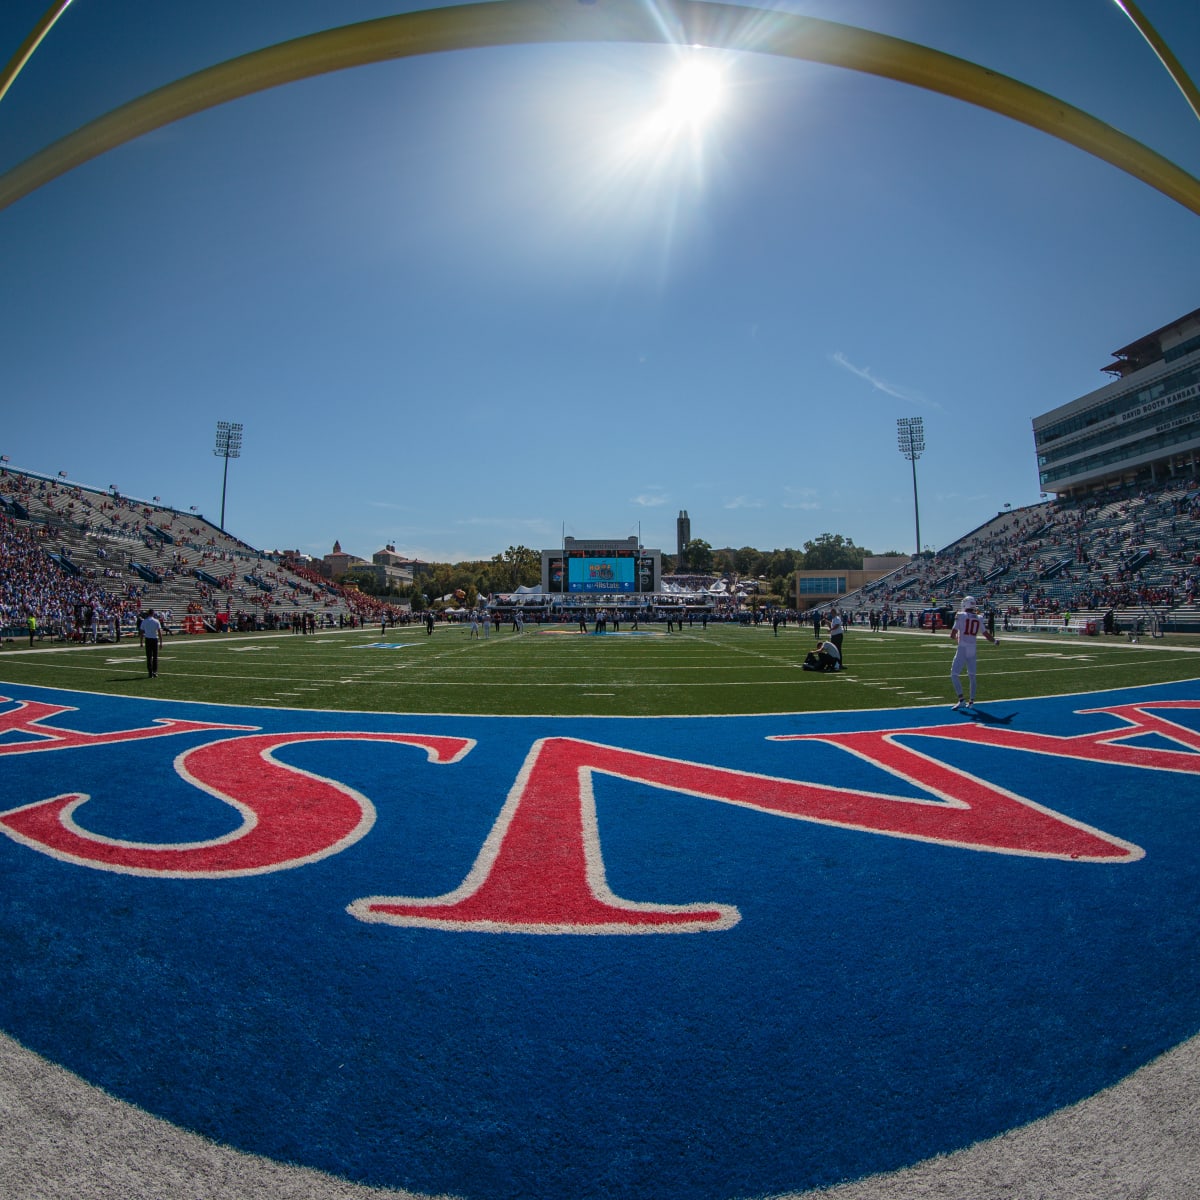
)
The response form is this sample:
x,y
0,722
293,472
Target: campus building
x,y
386,568
1142,427
815,588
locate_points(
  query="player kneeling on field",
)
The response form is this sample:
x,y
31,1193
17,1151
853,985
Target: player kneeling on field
x,y
826,657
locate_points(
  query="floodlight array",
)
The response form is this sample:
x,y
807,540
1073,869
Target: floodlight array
x,y
229,440
910,436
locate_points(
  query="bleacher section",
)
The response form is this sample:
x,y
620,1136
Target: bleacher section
x,y
1136,551
146,556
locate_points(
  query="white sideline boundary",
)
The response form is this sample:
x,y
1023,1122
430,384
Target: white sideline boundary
x,y
67,1140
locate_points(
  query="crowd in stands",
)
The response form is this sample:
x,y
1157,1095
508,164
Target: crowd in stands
x,y
84,563
119,555
109,542
33,585
1130,549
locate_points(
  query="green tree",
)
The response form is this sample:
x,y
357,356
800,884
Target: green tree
x,y
364,579
781,562
522,566
698,555
745,560
782,587
832,551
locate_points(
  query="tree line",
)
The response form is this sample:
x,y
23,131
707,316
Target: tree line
x,y
519,566
826,552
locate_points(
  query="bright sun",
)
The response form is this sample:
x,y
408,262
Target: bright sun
x,y
695,91
693,95
663,149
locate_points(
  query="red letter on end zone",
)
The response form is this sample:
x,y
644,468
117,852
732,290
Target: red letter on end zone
x,y
289,816
541,870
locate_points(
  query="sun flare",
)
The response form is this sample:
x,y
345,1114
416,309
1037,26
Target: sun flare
x,y
694,94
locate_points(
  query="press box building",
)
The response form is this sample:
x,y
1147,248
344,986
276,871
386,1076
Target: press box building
x,y
1142,427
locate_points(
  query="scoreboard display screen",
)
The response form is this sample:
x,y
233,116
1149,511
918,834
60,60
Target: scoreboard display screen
x,y
601,575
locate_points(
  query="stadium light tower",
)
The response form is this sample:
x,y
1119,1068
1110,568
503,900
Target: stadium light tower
x,y
910,436
229,445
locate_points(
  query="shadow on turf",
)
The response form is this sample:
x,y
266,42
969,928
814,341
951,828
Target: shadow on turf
x,y
986,718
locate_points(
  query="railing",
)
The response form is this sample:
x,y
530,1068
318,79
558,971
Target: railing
x,y
1078,626
146,573
1056,568
65,564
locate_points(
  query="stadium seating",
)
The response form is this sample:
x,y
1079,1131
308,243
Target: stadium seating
x,y
1136,550
143,555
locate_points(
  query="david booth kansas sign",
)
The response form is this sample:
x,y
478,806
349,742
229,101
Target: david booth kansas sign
x,y
701,958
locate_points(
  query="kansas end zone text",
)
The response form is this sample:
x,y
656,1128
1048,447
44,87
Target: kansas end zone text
x,y
541,867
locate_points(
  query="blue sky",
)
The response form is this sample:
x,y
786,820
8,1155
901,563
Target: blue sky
x,y
457,303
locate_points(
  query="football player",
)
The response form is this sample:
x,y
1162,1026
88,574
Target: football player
x,y
968,627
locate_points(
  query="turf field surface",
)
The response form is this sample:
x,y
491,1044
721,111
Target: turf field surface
x,y
555,670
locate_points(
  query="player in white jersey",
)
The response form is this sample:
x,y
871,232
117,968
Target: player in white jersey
x,y
964,633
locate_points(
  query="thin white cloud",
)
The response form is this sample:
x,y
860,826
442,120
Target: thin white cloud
x,y
531,524
881,385
802,498
649,500
958,498
743,502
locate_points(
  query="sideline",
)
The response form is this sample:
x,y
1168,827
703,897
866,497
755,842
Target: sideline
x,y
197,639
1147,643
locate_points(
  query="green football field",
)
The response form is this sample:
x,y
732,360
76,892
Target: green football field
x,y
555,670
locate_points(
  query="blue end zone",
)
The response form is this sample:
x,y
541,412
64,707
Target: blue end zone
x,y
880,1000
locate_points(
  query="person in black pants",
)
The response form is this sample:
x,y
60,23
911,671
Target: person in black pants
x,y
152,632
836,630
